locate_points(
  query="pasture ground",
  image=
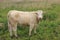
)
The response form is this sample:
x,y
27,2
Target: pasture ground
x,y
48,28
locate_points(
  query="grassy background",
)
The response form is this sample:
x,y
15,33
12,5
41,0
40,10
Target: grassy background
x,y
48,28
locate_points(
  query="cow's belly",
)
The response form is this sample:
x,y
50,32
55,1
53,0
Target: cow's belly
x,y
24,20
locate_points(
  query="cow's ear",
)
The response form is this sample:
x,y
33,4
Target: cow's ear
x,y
36,13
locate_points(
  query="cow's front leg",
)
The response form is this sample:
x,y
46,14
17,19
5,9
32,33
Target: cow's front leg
x,y
35,28
31,28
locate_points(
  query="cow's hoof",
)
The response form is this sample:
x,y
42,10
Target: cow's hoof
x,y
34,33
16,37
30,35
11,36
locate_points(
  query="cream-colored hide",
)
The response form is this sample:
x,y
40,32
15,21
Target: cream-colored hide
x,y
23,18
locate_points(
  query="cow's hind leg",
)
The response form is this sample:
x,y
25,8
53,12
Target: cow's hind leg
x,y
10,29
15,29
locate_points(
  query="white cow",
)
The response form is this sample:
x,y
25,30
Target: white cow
x,y
23,18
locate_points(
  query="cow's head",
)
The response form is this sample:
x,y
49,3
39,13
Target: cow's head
x,y
40,14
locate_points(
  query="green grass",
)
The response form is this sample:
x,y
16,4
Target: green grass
x,y
48,28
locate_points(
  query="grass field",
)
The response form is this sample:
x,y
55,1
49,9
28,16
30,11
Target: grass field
x,y
48,28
